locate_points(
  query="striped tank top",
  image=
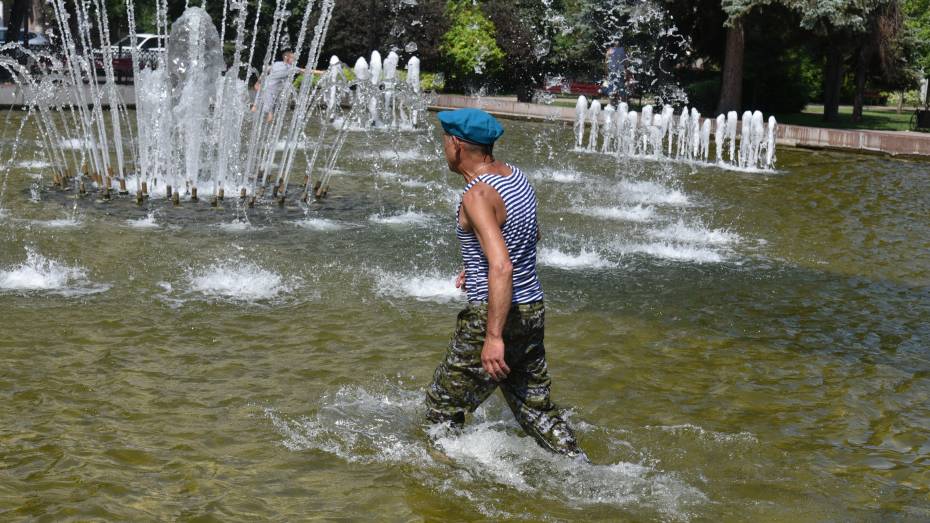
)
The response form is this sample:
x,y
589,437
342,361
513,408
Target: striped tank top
x,y
520,232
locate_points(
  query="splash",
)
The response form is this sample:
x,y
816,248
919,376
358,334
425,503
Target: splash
x,y
558,175
318,224
695,234
61,223
41,274
429,287
407,218
148,222
630,213
647,192
237,281
383,426
585,259
673,251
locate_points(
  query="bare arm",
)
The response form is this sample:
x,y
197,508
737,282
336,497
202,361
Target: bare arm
x,y
483,209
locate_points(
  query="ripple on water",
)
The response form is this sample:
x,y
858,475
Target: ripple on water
x,y
364,426
41,274
237,281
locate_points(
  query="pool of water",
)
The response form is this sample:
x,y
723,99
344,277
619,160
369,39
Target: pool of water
x,y
731,346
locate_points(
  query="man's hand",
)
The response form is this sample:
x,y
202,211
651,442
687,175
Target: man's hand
x,y
492,358
460,281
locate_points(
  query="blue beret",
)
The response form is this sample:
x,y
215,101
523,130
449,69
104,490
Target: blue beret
x,y
471,125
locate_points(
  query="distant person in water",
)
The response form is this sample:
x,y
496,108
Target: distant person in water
x,y
498,340
269,89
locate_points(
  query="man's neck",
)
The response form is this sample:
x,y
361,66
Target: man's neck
x,y
477,168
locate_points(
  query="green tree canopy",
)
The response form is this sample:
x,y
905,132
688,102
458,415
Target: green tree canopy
x,y
469,46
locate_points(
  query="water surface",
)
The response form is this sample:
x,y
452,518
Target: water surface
x,y
732,346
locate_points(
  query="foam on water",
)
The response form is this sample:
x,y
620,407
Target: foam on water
x,y
364,426
407,218
41,274
651,193
630,213
318,224
423,287
237,281
144,223
585,259
697,234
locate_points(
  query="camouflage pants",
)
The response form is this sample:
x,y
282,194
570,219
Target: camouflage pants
x,y
461,384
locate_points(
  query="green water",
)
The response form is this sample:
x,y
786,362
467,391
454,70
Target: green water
x,y
733,346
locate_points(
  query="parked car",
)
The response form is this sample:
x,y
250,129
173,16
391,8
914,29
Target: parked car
x,y
150,46
33,39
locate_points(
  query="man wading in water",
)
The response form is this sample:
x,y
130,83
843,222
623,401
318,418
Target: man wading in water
x,y
498,338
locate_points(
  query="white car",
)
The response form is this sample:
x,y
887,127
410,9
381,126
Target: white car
x,y
145,43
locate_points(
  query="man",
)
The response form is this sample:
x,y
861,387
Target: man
x,y
498,340
270,87
616,74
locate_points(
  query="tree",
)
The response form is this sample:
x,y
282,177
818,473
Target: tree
x,y
917,21
731,83
469,47
839,25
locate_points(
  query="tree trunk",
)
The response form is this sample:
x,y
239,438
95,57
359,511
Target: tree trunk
x,y
525,91
731,84
862,65
832,84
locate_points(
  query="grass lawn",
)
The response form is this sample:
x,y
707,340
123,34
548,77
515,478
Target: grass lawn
x,y
875,119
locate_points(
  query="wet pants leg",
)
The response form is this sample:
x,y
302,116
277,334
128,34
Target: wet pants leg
x,y
461,384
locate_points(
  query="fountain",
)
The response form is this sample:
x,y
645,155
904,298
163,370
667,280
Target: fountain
x,y
686,138
192,129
